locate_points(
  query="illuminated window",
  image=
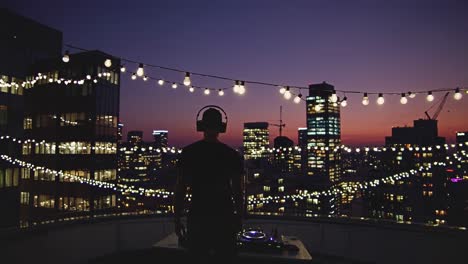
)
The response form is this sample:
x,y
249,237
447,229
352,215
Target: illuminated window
x,y
73,119
75,147
44,148
105,148
27,123
105,175
24,198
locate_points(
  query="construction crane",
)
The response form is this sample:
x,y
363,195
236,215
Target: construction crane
x,y
281,124
439,108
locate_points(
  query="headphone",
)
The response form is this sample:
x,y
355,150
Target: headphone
x,y
201,125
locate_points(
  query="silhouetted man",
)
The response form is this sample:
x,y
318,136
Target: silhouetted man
x,y
213,172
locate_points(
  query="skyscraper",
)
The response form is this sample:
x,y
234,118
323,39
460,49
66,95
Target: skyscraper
x,y
160,138
24,42
323,134
74,125
256,140
302,143
283,157
135,137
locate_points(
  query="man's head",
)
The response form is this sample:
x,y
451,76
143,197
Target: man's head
x,y
212,122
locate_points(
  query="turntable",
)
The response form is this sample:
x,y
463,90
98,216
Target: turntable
x,y
256,240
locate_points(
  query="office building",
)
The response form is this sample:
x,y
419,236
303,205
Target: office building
x,y
421,198
71,113
283,156
135,137
256,140
160,138
24,42
323,135
301,161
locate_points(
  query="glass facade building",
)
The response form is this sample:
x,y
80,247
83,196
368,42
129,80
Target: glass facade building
x,y
256,140
74,127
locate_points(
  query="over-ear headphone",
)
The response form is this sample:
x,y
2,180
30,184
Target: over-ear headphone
x,y
201,125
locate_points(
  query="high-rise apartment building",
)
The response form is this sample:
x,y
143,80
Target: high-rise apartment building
x,y
256,140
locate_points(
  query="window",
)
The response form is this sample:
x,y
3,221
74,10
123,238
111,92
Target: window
x,y
75,147
42,175
105,148
44,148
25,173
27,123
77,173
3,118
27,148
24,198
106,120
8,177
73,119
105,175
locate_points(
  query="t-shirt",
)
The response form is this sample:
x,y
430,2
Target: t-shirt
x,y
208,168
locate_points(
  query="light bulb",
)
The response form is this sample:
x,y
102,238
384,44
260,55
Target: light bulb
x,y
403,99
380,100
287,93
107,63
140,72
220,92
429,97
344,103
145,78
88,77
207,91
66,57
134,76
123,69
187,79
411,95
365,99
297,99
333,97
457,95
241,88
161,82
282,90
174,85
191,89
236,87
317,107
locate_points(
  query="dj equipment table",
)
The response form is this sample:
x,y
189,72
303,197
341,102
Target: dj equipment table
x,y
300,256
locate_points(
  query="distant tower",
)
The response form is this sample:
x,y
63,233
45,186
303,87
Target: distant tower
x,y
323,134
135,137
302,143
160,138
256,137
120,131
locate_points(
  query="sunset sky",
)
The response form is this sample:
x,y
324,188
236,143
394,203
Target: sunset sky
x,y
374,46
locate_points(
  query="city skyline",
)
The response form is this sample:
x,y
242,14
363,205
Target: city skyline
x,y
361,49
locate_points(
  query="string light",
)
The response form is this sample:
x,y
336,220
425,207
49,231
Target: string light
x,y
145,78
140,71
191,89
134,76
457,95
174,85
365,99
429,96
287,93
236,87
297,99
108,63
220,92
282,90
123,69
380,100
403,99
344,103
242,88
334,97
411,95
207,91
187,81
66,57
161,82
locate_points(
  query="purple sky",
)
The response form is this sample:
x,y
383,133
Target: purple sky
x,y
355,45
